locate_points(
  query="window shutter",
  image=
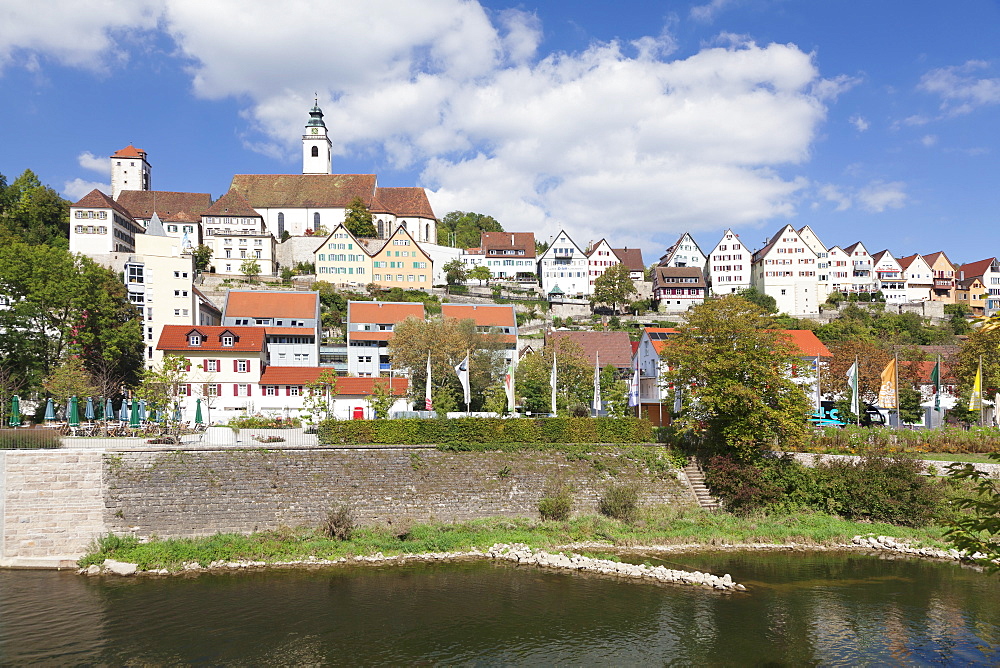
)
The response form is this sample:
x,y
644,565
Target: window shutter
x,y
236,365
236,389
288,390
249,389
189,389
187,367
218,390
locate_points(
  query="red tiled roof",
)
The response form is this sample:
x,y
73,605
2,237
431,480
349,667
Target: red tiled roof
x,y
169,206
807,343
615,347
251,304
905,262
95,199
383,312
631,258
331,191
232,204
405,201
931,258
497,315
493,243
349,386
129,152
974,269
176,338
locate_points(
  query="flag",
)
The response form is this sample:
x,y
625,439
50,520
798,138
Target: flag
x,y
508,385
633,388
597,384
936,382
427,390
462,369
887,391
852,381
976,398
552,381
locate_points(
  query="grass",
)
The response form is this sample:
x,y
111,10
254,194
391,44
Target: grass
x,y
948,457
655,526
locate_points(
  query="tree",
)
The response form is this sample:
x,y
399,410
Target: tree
x,y
322,393
202,256
69,379
463,229
741,395
456,272
982,344
447,341
381,398
481,273
250,268
614,392
977,530
35,214
767,303
872,360
358,219
613,287
574,378
163,385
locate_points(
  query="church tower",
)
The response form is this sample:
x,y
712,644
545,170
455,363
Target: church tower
x,y
317,149
129,170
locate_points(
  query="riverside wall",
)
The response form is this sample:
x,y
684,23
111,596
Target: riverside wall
x,y
53,503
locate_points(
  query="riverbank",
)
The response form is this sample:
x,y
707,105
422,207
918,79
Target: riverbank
x,y
658,528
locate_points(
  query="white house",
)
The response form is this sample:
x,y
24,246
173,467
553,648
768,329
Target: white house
x,y
600,258
235,232
684,253
369,329
285,391
918,276
729,265
786,269
129,170
862,274
564,264
889,278
98,225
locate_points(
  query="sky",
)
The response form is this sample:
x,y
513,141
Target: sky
x,y
635,121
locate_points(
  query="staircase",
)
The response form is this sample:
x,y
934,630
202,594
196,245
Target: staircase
x,y
696,478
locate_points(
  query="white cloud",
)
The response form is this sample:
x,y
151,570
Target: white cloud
x,y
832,193
90,161
929,140
706,13
75,190
860,123
616,140
879,196
960,90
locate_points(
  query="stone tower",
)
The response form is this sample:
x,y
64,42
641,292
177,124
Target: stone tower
x,y
129,170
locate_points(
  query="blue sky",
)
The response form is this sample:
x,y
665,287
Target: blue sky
x,y
635,121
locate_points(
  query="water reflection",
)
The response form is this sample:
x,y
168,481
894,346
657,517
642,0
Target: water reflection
x,y
801,609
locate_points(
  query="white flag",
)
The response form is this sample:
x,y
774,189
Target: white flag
x,y
852,380
462,369
427,390
508,384
633,388
552,381
597,385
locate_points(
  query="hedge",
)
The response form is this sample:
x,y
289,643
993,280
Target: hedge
x,y
477,431
29,439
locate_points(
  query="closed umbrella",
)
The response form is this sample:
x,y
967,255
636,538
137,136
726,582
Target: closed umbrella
x,y
74,412
123,412
198,419
142,410
134,416
50,410
88,411
177,411
15,411
109,410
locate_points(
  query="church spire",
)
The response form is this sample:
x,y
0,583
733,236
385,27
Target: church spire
x,y
317,149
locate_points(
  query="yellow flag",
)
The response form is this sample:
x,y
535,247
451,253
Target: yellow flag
x,y
887,391
976,398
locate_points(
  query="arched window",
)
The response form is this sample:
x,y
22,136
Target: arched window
x,y
281,224
427,232
315,151
381,230
316,221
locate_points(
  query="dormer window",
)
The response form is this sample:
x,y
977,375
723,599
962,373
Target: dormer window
x,y
227,341
194,340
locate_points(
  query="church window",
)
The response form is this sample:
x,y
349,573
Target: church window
x,y
315,151
315,218
381,229
281,224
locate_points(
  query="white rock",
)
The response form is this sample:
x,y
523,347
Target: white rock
x,y
120,567
93,569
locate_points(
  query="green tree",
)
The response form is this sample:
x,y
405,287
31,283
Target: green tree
x,y
69,379
202,257
251,269
910,409
463,229
871,358
982,344
480,273
358,219
977,530
456,272
613,287
614,392
162,387
322,392
767,303
35,214
742,397
381,398
574,378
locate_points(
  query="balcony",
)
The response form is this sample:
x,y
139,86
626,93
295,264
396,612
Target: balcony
x,y
384,366
944,283
563,253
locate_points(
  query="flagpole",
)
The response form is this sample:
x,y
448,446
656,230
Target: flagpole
x,y
895,386
982,423
855,399
468,372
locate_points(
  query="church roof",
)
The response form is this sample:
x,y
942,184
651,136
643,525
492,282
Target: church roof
x,y
232,203
405,201
170,206
129,152
322,191
95,199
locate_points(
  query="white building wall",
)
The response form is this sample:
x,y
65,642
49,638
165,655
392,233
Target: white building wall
x,y
564,264
730,265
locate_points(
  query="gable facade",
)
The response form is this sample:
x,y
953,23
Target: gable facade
x,y
729,265
786,270
564,265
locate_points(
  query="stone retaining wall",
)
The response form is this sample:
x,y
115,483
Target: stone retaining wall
x,y
53,503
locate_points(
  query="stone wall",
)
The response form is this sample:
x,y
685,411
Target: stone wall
x,y
51,504
199,493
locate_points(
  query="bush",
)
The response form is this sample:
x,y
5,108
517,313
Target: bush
x,y
28,439
742,487
339,523
556,504
263,422
620,502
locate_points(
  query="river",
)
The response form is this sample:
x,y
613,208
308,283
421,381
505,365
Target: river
x,y
800,608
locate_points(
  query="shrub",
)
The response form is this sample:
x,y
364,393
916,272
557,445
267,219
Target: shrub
x,y
878,489
620,502
743,487
339,523
556,504
28,439
263,422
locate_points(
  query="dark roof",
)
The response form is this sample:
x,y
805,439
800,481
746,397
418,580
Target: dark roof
x,y
615,347
631,258
169,206
663,276
331,191
232,204
405,202
98,200
492,242
974,269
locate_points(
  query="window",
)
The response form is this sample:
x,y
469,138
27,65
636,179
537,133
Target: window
x,y
211,366
180,293
315,218
270,390
242,366
194,340
242,390
227,341
171,228
211,390
315,151
281,224
293,390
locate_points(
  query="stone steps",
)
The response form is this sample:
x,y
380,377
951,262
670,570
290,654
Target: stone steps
x,y
696,478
